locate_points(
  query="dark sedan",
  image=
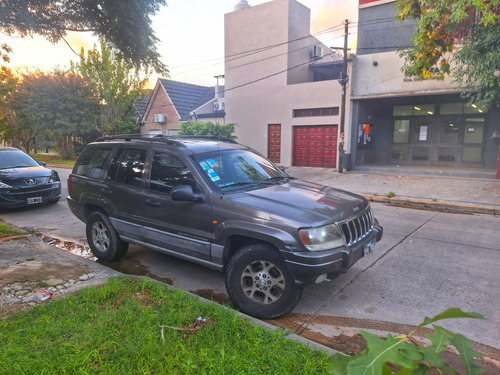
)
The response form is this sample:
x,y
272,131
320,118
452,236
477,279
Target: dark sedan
x,y
25,181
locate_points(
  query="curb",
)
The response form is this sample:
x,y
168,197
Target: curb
x,y
445,206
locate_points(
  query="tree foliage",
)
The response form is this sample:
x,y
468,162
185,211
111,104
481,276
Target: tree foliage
x,y
207,128
117,83
58,104
461,38
125,24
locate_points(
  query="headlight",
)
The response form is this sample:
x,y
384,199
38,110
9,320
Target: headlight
x,y
54,178
4,186
321,238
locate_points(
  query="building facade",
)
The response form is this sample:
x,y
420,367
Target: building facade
x,y
396,120
281,84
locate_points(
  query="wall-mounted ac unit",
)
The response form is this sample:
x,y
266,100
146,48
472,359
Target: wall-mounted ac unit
x,y
316,52
160,118
218,106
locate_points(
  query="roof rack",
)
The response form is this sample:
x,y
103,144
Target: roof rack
x,y
171,139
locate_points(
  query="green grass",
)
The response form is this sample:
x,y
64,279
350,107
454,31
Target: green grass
x,y
8,231
53,159
114,329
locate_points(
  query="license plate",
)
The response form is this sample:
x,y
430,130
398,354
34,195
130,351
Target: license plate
x,y
368,248
34,200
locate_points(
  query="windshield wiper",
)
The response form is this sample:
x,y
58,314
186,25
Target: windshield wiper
x,y
238,184
274,180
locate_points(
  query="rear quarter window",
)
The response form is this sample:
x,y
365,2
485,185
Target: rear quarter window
x,y
91,161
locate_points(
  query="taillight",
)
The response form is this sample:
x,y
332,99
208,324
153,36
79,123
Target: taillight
x,y
70,186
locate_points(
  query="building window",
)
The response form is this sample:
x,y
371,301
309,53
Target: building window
x,y
459,108
316,112
414,110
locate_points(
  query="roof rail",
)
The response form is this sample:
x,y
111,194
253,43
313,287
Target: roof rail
x,y
172,139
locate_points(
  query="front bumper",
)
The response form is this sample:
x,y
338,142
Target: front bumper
x,y
19,198
312,267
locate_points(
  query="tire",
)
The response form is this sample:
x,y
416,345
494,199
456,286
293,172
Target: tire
x,y
103,238
259,282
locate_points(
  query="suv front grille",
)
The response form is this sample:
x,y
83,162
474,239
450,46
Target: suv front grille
x,y
357,228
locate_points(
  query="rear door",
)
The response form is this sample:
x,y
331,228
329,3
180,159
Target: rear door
x,y
180,227
122,191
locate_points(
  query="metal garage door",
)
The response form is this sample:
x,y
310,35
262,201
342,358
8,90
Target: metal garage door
x,y
315,146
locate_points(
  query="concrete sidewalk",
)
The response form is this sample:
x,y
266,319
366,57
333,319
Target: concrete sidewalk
x,y
432,191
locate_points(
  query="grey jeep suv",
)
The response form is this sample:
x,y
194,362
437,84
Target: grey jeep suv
x,y
220,204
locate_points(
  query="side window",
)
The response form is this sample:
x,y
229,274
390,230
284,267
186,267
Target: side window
x,y
127,167
91,161
167,172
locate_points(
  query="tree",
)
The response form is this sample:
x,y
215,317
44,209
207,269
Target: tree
x,y
207,128
8,86
60,104
461,38
125,24
117,84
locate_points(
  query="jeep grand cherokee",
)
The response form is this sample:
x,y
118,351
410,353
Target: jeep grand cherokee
x,y
220,204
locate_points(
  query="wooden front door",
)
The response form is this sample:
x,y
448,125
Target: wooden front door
x,y
274,142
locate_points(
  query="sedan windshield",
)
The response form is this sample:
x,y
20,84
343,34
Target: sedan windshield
x,y
231,169
16,159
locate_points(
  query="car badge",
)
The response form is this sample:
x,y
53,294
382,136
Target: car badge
x,y
355,209
31,181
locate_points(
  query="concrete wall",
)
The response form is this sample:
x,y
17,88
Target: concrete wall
x,y
257,90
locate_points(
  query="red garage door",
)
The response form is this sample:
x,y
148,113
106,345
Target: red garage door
x,y
315,146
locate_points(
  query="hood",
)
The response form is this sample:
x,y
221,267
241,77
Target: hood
x,y
11,174
307,203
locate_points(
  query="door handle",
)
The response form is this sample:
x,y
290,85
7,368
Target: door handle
x,y
152,202
106,190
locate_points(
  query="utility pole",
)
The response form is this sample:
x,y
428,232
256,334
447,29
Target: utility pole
x,y
343,81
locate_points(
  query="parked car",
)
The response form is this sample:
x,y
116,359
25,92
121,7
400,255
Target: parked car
x,y
25,181
220,204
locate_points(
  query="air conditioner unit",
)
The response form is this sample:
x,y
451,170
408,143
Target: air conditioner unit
x,y
316,52
160,118
218,106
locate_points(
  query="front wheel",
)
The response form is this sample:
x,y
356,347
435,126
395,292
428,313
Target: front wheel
x,y
259,282
103,238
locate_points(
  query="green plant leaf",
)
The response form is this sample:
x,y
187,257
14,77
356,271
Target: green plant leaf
x,y
453,312
440,339
339,363
467,354
380,351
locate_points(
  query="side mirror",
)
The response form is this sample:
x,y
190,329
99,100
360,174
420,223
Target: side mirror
x,y
185,193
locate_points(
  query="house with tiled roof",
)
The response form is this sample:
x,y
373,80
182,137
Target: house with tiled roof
x,y
173,103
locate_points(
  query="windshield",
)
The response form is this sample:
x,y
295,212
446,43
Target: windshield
x,y
16,159
230,169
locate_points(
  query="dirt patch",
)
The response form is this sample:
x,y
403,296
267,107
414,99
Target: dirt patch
x,y
211,295
40,272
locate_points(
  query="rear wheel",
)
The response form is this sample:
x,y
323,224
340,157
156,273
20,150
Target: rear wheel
x,y
259,282
103,238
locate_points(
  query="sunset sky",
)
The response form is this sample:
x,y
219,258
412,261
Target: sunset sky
x,y
191,34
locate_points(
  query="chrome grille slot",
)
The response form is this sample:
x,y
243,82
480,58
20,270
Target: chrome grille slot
x,y
357,228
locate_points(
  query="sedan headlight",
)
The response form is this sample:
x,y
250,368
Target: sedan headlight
x,y
321,238
4,186
54,177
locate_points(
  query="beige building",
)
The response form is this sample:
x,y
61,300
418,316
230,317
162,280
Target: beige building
x,y
281,84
